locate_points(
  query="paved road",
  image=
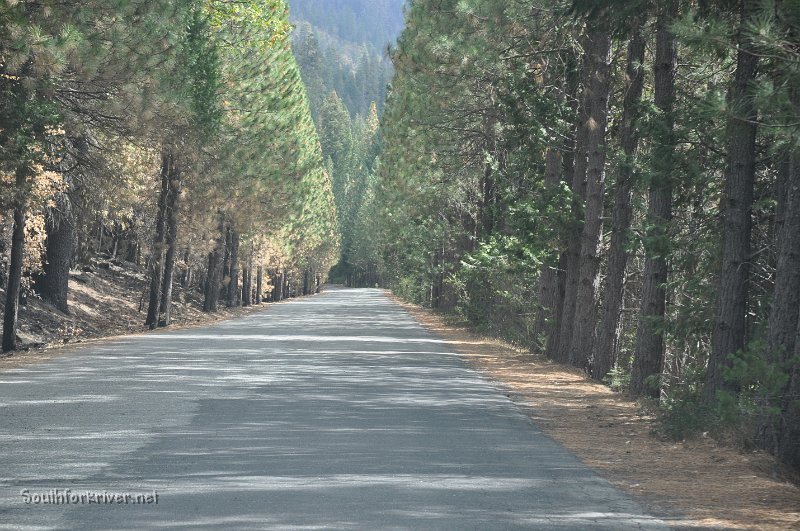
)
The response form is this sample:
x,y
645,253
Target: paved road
x,y
337,411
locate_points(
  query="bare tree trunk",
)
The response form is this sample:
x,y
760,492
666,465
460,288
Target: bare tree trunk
x,y
3,265
214,276
648,360
186,277
15,268
280,287
246,290
606,345
233,287
157,262
730,332
173,204
53,284
259,285
591,238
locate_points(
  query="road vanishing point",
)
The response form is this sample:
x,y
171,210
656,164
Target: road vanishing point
x,y
337,411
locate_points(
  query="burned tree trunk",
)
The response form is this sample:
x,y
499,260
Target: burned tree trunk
x,y
246,290
213,277
173,203
53,284
159,238
15,267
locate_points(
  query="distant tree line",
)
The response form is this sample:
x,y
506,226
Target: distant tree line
x,y
346,71
373,22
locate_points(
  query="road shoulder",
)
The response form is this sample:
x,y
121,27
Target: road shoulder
x,y
692,484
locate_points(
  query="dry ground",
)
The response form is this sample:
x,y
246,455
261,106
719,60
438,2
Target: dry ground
x,y
696,484
104,302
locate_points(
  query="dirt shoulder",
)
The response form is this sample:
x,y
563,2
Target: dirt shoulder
x,y
105,301
693,485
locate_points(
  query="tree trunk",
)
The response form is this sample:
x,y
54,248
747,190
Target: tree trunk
x,y
573,236
259,285
730,332
606,346
226,263
573,96
15,267
214,276
548,281
246,291
157,262
592,235
648,359
280,287
53,283
233,287
173,204
212,285
783,335
132,251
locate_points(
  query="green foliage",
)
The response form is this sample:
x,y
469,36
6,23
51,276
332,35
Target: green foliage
x,y
618,379
459,215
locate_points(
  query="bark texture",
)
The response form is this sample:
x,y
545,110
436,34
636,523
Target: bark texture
x,y
159,239
573,233
649,350
591,236
606,345
15,268
53,284
548,281
730,333
173,203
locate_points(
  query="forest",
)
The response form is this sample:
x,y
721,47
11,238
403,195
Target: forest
x,y
173,135
346,75
613,183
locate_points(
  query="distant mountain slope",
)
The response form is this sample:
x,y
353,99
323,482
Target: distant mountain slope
x,y
376,22
340,46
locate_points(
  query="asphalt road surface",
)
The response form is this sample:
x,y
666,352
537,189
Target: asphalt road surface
x,y
332,412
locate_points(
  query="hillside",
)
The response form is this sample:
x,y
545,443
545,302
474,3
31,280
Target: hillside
x,y
340,46
375,22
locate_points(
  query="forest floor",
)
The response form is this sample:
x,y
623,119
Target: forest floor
x,y
105,300
695,484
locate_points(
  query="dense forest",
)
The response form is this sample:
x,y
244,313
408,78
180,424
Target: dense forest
x,y
612,183
346,72
172,134
372,22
